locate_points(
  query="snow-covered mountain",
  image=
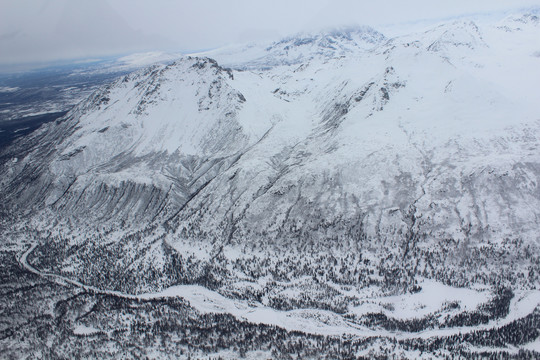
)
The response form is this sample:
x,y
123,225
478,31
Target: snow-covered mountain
x,y
322,171
299,49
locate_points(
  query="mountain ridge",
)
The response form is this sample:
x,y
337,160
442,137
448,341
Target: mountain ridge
x,y
299,185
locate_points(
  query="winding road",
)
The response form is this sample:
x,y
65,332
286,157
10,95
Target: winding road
x,y
319,322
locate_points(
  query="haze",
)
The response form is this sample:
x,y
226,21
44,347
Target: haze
x,y
39,31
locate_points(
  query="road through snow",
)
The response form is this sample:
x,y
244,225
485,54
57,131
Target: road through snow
x,y
312,321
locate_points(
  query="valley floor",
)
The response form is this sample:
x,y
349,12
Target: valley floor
x,y
47,315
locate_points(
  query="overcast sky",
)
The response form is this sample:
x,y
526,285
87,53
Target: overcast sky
x,y
33,31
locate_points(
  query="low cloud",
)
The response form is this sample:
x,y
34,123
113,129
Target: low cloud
x,y
34,31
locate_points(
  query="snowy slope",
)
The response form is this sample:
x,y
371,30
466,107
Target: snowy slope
x,y
339,171
299,49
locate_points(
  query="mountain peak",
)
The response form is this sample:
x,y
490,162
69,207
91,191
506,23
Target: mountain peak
x,y
518,22
336,39
329,197
457,34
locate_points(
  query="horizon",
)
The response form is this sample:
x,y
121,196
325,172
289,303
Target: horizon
x,y
19,54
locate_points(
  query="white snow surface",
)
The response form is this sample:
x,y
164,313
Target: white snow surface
x,y
444,124
430,300
85,330
480,93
